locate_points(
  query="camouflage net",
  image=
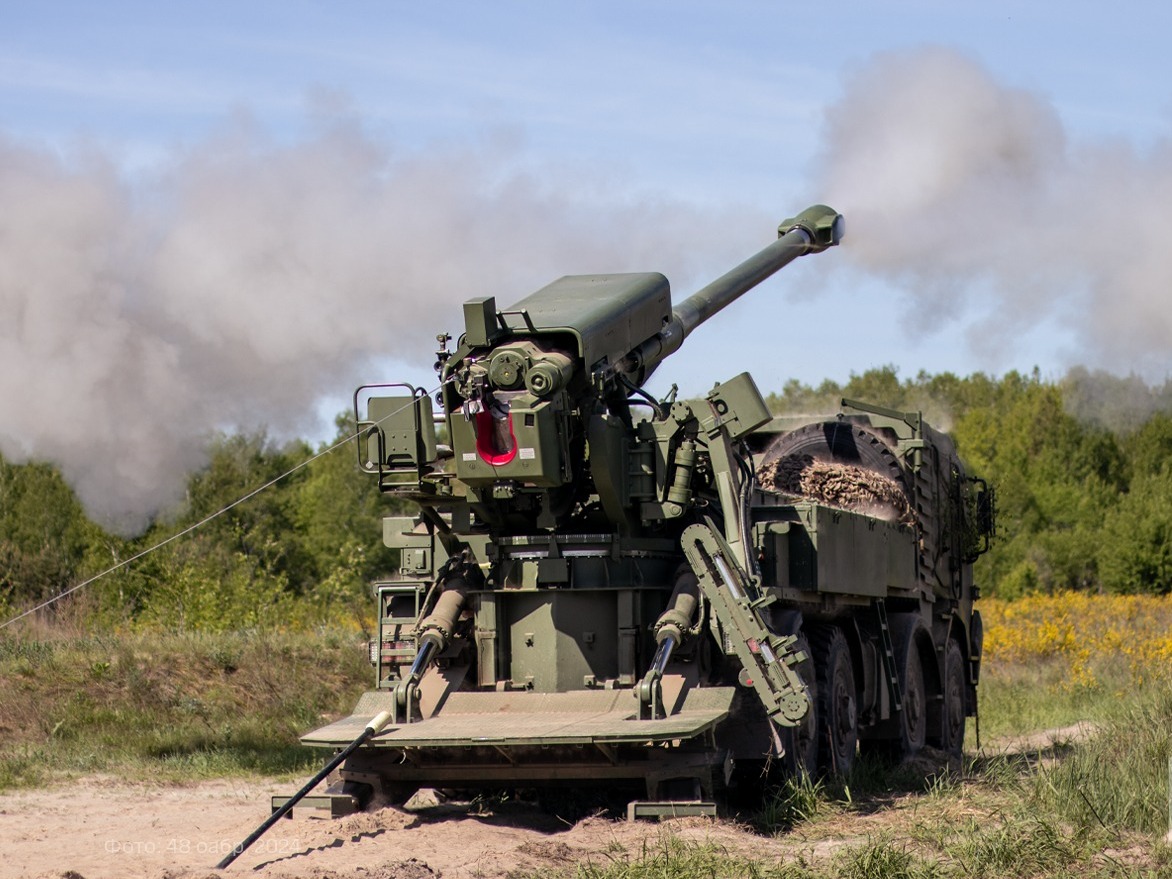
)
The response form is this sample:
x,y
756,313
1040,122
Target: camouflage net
x,y
845,486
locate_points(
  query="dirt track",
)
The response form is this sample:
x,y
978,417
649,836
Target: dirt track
x,y
107,828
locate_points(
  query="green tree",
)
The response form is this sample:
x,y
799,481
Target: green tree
x,y
1136,553
1149,449
261,528
1056,478
245,550
338,511
202,584
45,536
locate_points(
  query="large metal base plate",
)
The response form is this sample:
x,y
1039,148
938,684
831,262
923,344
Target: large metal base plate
x,y
607,717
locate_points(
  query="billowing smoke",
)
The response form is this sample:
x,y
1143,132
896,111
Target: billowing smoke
x,y
970,193
248,280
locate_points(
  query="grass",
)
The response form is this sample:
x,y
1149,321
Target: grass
x,y
1118,779
795,801
169,705
672,858
184,706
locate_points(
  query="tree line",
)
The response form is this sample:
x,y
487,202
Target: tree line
x,y
1080,466
302,552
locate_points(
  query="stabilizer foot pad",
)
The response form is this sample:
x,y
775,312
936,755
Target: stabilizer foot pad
x,y
658,809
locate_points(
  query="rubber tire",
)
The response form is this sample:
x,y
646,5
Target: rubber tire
x,y
952,715
801,741
913,719
837,703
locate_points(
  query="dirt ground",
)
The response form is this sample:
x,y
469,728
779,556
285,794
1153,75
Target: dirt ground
x,y
104,827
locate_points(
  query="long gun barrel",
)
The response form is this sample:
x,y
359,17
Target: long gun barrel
x,y
811,231
523,384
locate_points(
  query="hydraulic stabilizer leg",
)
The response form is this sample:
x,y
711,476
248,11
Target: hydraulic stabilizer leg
x,y
767,660
406,692
435,633
673,625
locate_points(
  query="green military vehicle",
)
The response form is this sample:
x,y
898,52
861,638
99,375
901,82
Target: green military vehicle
x,y
675,597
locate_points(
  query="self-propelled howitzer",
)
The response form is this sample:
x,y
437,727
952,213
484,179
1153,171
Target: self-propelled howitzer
x,y
600,588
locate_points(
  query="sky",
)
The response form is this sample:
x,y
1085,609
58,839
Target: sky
x,y
227,215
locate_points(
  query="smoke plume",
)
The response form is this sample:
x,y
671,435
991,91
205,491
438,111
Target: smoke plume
x,y
249,280
967,192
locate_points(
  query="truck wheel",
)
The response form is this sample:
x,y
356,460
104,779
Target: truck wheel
x,y
953,715
913,720
801,741
837,703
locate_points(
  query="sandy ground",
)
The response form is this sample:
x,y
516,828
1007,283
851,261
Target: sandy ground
x,y
102,827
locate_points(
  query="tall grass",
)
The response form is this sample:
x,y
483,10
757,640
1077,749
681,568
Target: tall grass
x,y
169,704
1118,780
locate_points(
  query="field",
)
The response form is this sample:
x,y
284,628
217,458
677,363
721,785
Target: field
x,y
138,753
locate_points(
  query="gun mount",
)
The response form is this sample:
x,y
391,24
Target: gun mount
x,y
614,589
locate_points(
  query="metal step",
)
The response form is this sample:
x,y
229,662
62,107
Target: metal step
x,y
889,656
